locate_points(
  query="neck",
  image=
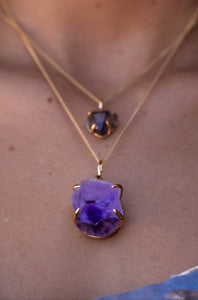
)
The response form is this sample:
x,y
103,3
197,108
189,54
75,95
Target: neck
x,y
55,21
98,37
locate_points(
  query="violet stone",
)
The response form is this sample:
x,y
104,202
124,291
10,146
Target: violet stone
x,y
101,119
96,200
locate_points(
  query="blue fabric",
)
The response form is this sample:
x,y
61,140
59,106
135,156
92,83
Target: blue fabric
x,y
180,287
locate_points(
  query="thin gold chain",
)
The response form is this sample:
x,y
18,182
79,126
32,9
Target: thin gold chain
x,y
71,79
120,89
190,24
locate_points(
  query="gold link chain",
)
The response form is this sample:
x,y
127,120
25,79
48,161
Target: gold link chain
x,y
32,47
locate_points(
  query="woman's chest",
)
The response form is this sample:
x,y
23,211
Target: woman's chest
x,y
44,256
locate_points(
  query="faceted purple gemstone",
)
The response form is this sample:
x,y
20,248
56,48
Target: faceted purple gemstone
x,y
96,200
102,121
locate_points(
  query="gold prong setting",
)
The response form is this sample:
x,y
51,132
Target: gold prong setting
x,y
98,211
109,132
75,215
120,216
101,123
76,186
119,186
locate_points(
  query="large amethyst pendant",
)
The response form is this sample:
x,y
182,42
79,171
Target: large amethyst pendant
x,y
98,211
102,123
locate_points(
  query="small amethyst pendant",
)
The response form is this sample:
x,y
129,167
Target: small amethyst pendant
x,y
98,211
102,123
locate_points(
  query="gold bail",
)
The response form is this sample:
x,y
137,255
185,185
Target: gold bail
x,y
100,105
99,169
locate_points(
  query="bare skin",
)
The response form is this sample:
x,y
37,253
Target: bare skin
x,y
42,254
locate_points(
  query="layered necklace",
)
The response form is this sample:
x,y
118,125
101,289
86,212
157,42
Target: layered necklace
x,y
98,212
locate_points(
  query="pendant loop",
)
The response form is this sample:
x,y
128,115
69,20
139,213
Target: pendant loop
x,y
100,105
99,169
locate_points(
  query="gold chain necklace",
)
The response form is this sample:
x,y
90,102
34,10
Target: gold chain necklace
x,y
98,211
100,123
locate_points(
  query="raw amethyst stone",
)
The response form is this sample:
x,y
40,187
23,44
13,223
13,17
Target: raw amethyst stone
x,y
104,122
96,200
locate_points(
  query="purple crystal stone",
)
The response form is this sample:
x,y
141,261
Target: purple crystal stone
x,y
102,120
96,200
